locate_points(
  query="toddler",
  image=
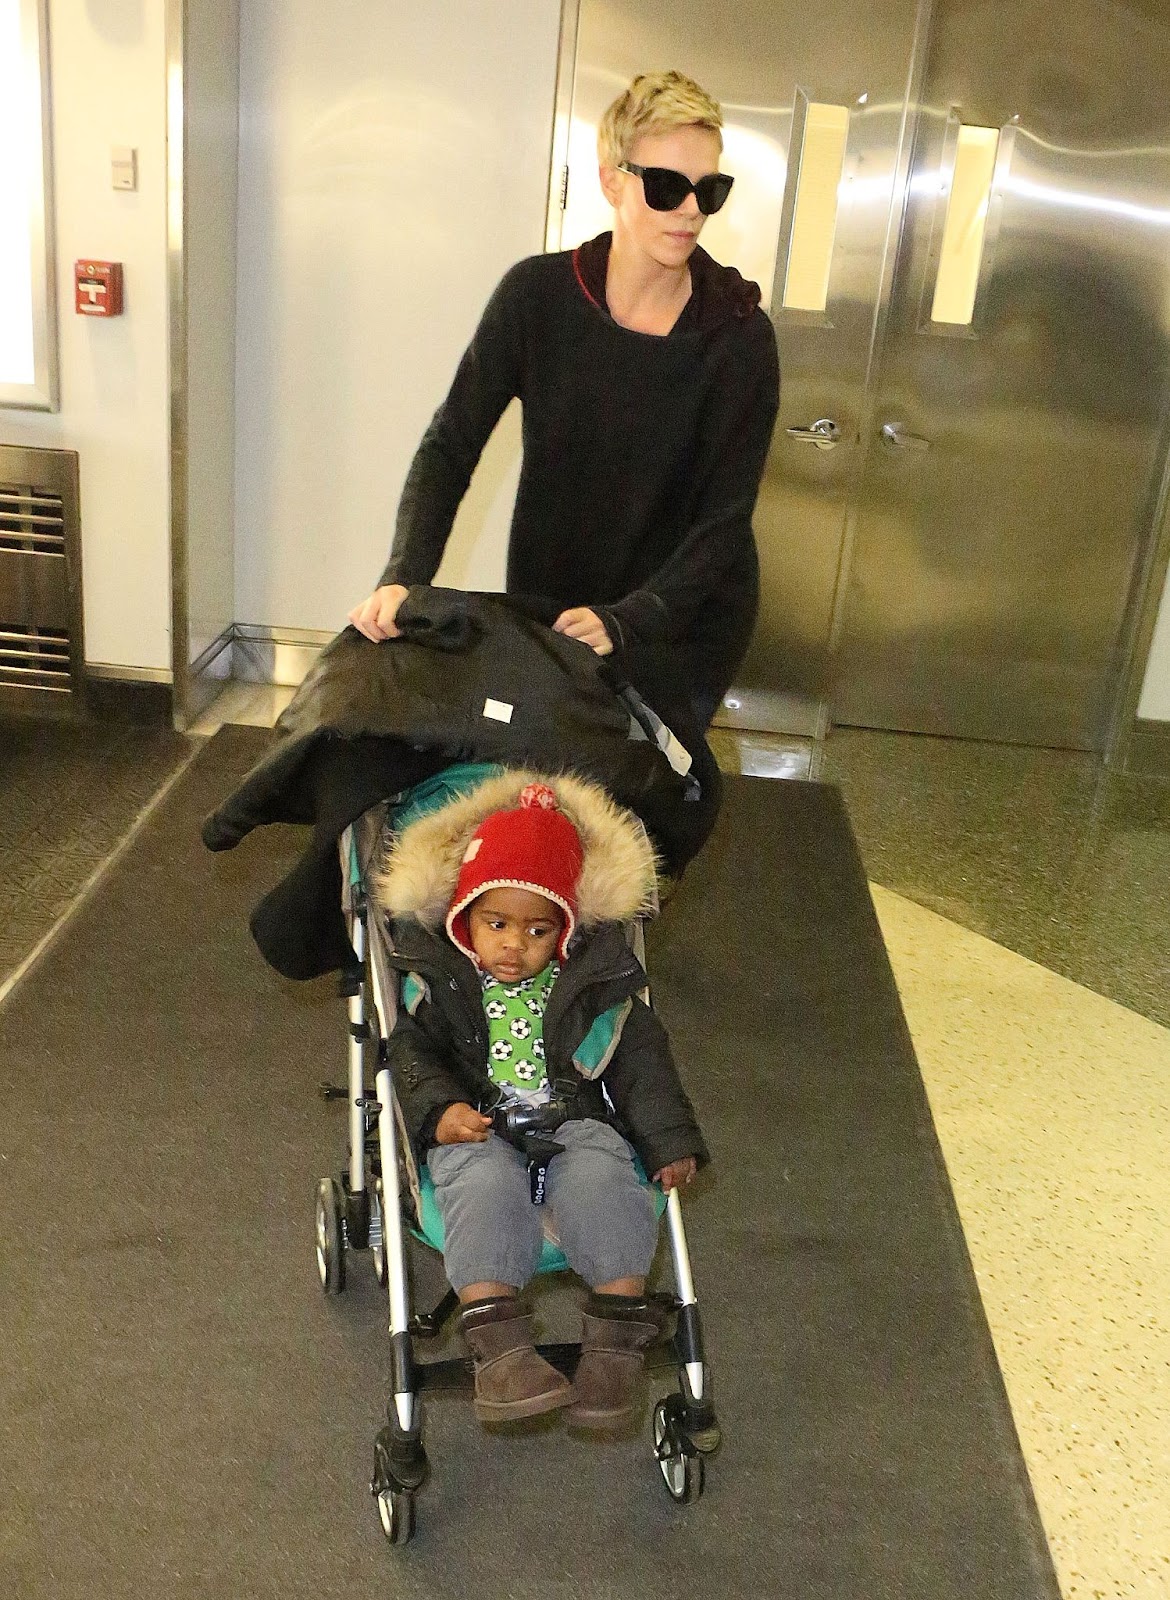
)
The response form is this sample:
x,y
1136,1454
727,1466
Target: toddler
x,y
507,908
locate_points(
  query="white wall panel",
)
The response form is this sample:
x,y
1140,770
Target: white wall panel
x,y
393,163
210,73
108,66
1155,698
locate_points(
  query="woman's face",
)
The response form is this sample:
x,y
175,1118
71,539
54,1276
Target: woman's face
x,y
666,237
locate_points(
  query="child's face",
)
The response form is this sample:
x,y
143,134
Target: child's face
x,y
514,932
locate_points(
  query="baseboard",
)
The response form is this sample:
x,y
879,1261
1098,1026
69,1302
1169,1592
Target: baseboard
x,y
58,705
275,655
769,711
142,700
102,695
244,651
211,669
1147,750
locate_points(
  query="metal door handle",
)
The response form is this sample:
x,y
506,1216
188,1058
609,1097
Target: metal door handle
x,y
824,433
893,433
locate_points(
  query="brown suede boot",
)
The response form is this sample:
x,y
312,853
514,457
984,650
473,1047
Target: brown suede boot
x,y
511,1380
610,1379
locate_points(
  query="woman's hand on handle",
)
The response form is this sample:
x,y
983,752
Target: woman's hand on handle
x,y
581,623
375,616
677,1173
461,1124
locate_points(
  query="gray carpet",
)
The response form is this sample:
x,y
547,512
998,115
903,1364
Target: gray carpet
x,y
68,793
185,1415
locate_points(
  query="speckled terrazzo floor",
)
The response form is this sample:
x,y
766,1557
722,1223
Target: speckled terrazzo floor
x,y
1051,1104
1043,851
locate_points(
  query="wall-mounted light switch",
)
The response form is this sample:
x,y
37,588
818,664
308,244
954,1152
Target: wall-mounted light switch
x,y
124,167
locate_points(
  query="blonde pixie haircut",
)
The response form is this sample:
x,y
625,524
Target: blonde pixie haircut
x,y
655,102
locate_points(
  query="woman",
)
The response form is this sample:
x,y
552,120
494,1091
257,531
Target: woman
x,y
649,384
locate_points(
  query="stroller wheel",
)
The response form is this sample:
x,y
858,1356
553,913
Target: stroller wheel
x,y
378,1235
681,1468
330,1232
396,1512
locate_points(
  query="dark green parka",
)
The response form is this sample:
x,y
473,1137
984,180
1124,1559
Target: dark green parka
x,y
604,1046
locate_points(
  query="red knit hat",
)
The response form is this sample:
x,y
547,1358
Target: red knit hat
x,y
534,847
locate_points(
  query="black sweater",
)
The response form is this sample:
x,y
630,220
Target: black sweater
x,y
642,456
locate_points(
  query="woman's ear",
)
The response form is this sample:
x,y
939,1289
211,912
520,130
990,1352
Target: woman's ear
x,y
611,184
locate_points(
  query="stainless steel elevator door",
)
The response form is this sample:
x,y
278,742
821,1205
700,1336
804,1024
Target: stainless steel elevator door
x,y
961,557
767,63
991,572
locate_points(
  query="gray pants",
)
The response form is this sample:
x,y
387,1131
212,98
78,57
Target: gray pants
x,y
603,1214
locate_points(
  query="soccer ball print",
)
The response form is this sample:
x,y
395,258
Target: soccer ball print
x,y
516,1049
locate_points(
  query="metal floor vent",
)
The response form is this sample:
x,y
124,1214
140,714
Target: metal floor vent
x,y
35,659
41,651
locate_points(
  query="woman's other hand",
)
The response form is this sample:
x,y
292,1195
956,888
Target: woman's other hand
x,y
581,623
460,1124
375,616
676,1173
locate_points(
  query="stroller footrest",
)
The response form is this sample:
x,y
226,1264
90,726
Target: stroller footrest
x,y
457,1373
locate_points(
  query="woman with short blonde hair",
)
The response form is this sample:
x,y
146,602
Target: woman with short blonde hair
x,y
656,102
649,382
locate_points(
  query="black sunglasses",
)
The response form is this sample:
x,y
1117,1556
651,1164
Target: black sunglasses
x,y
665,189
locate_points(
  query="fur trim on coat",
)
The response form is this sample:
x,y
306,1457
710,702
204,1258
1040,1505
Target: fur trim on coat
x,y
618,875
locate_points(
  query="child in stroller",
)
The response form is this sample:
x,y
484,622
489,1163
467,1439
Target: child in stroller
x,y
534,1081
386,1196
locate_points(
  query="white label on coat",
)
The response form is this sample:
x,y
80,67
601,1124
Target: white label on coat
x,y
499,710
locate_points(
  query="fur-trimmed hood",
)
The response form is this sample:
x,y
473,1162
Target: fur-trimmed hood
x,y
618,874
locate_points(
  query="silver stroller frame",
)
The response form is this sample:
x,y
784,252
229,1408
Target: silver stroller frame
x,y
365,1208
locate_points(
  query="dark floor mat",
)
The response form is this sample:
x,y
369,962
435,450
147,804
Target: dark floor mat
x,y
185,1414
68,793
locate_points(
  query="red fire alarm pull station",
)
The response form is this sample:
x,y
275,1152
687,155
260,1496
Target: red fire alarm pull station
x,y
97,288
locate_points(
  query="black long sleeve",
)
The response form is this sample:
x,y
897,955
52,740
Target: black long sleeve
x,y
717,553
642,461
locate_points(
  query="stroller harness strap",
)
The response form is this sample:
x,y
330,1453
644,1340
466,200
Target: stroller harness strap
x,y
541,1149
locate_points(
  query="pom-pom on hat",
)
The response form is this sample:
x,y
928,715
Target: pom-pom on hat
x,y
533,847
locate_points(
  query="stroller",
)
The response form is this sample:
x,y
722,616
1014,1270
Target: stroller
x,y
382,1203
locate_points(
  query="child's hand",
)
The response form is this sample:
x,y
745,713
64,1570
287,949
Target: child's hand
x,y
459,1124
676,1173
